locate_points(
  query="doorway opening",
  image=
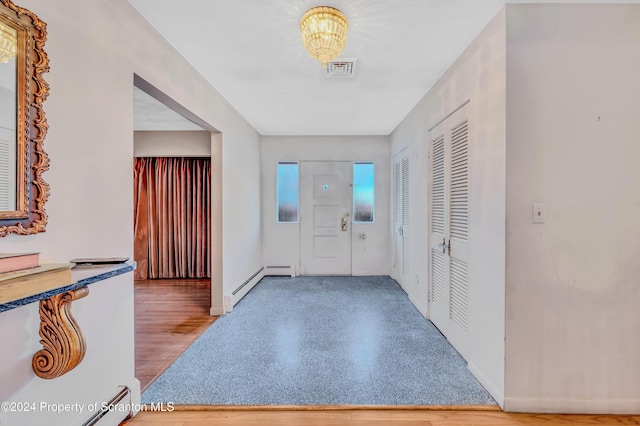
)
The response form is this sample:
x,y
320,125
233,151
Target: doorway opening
x,y
177,229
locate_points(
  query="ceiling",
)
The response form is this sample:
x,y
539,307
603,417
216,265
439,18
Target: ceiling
x,y
251,52
150,114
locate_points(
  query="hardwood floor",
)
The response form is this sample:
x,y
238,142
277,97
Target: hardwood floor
x,y
169,316
371,417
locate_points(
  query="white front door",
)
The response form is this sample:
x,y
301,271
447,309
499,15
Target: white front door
x,y
449,224
325,217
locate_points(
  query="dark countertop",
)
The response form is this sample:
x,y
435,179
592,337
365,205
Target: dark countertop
x,y
80,276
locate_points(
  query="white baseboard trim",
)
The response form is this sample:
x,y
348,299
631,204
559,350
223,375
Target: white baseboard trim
x,y
216,311
422,309
489,385
230,300
572,406
134,388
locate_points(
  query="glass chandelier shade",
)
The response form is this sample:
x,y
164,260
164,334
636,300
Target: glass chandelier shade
x,y
324,33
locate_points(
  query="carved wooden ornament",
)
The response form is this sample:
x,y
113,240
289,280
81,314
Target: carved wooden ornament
x,y
62,340
32,61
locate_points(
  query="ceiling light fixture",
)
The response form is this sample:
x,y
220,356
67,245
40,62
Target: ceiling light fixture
x,y
8,43
324,33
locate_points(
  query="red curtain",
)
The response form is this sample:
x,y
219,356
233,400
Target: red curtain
x,y
172,217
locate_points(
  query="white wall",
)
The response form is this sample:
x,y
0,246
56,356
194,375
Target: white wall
x,y
478,75
94,50
572,335
108,362
281,240
172,143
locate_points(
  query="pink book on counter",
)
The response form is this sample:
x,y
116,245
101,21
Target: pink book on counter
x,y
10,262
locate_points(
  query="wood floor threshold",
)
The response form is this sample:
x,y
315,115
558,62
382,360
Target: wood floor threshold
x,y
337,408
362,417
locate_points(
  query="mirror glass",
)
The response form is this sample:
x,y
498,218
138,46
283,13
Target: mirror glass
x,y
8,117
23,122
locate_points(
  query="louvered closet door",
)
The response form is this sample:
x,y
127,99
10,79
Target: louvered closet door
x,y
397,218
449,224
405,219
401,218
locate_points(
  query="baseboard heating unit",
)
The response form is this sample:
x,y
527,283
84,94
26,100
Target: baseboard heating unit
x,y
244,288
231,300
289,271
114,411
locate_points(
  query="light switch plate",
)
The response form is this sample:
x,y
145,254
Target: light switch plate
x,y
538,213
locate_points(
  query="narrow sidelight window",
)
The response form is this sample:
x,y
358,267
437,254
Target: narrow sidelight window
x,y
363,190
287,193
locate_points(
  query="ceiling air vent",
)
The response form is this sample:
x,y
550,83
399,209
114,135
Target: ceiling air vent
x,y
343,67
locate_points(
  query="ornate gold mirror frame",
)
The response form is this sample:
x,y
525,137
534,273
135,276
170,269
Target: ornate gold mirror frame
x,y
27,33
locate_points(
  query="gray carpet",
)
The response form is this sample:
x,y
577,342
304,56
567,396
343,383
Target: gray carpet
x,y
320,340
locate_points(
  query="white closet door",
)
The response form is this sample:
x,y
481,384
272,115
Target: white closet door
x,y
401,175
405,219
397,218
449,225
459,224
439,222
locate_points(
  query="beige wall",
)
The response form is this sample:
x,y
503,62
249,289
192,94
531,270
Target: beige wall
x,y
572,335
281,240
570,114
569,285
94,50
184,143
478,76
